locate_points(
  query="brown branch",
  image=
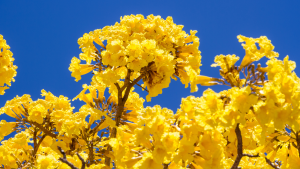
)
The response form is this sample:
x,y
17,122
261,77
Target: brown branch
x,y
38,145
118,86
271,164
120,109
93,131
129,87
34,139
250,155
127,79
42,128
240,153
240,147
298,142
82,161
142,87
64,159
91,152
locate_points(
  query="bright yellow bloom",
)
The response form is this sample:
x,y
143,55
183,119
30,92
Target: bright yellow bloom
x,y
7,69
225,62
49,161
79,69
254,54
38,110
15,107
152,47
6,128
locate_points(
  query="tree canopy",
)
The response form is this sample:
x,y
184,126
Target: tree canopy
x,y
253,124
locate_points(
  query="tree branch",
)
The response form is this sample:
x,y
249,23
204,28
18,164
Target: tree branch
x,y
93,131
142,87
298,142
120,109
240,153
38,145
129,87
82,161
250,155
49,133
127,79
239,149
64,159
34,139
271,164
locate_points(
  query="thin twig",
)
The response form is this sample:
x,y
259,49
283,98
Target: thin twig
x,y
42,128
250,155
240,153
141,87
64,159
93,131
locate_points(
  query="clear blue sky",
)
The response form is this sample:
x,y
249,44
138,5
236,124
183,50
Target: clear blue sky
x,y
43,37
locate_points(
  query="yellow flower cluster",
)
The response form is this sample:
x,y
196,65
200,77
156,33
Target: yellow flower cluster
x,y
253,124
254,54
14,150
202,133
58,125
7,69
151,47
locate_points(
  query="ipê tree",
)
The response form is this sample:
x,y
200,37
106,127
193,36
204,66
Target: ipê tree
x,y
253,124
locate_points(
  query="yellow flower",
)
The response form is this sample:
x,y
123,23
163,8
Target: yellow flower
x,y
148,162
79,69
152,47
254,54
15,107
7,69
38,110
48,161
225,62
6,128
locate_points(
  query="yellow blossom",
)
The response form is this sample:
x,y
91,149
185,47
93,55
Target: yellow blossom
x,y
7,69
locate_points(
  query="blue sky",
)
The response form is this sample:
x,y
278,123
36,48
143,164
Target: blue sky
x,y
43,37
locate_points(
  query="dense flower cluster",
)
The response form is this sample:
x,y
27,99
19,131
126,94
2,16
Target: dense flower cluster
x,y
7,69
151,47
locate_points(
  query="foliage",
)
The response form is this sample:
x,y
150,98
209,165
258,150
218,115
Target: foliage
x,y
253,124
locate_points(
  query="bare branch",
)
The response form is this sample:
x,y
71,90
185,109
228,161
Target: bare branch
x,y
298,143
271,164
250,155
118,86
82,161
142,87
129,87
127,79
36,147
64,159
93,131
240,147
42,128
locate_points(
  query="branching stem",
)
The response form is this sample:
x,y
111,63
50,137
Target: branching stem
x,y
64,159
